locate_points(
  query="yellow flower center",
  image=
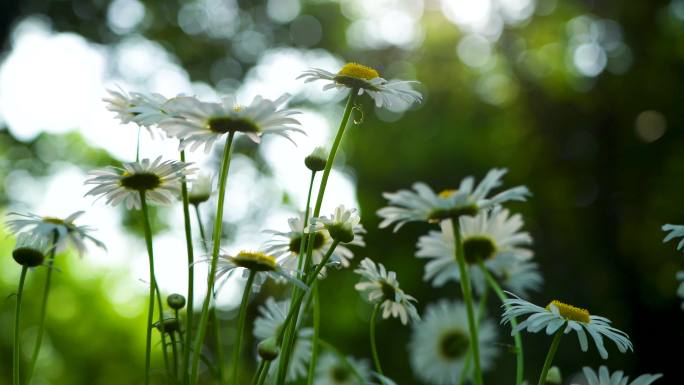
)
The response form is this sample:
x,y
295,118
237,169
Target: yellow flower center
x,y
238,108
569,312
53,220
444,194
255,261
359,71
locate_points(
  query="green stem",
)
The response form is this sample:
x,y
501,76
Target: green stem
x,y
43,308
242,315
550,355
316,333
174,350
185,378
153,288
482,307
17,317
374,348
218,226
264,373
257,374
302,241
290,323
519,356
284,361
468,298
216,321
137,147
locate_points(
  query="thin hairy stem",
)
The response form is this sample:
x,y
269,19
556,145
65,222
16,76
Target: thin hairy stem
x,y
549,356
17,318
242,315
374,348
316,333
185,378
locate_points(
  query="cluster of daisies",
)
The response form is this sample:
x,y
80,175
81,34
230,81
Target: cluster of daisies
x,y
478,245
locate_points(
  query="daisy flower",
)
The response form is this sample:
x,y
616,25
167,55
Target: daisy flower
x,y
492,237
159,181
263,265
381,286
557,315
440,343
30,249
330,370
342,225
145,110
423,204
198,123
676,231
267,325
285,244
366,79
201,189
66,230
603,377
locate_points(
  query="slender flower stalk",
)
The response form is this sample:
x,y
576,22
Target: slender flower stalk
x,y
154,292
549,356
316,334
468,298
374,349
519,355
185,377
282,368
43,308
17,317
216,242
241,327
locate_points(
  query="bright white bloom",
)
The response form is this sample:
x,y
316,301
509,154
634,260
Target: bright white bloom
x,y
286,245
146,110
271,317
159,181
676,231
200,189
263,265
559,315
424,205
368,80
494,237
440,343
603,377
381,286
330,370
342,225
66,230
198,123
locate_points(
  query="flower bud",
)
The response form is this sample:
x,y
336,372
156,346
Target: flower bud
x,y
316,160
175,301
169,325
341,232
553,376
30,250
268,349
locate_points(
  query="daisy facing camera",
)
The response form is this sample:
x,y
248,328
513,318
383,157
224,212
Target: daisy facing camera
x,y
30,250
175,301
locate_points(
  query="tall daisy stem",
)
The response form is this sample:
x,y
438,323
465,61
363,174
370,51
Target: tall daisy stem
x,y
153,289
241,327
549,356
260,370
374,348
17,317
264,373
284,361
468,298
216,245
519,356
185,376
43,308
216,322
482,308
316,333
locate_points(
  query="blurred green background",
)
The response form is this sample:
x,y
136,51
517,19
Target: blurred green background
x,y
578,99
